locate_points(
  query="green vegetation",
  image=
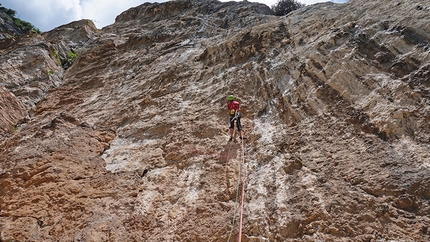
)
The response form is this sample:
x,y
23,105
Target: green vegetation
x,y
71,57
26,26
13,128
23,25
56,57
10,12
284,7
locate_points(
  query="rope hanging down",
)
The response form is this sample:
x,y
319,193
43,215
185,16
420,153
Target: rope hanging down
x,y
241,180
243,192
235,202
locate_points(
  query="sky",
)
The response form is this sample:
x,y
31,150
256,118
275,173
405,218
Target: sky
x,y
49,14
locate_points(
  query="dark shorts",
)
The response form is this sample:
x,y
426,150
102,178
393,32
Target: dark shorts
x,y
239,127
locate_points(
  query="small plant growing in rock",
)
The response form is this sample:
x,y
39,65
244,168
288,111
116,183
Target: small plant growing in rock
x,y
71,57
284,7
56,57
13,129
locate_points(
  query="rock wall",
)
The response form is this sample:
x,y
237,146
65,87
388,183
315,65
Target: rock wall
x,y
7,27
12,111
130,141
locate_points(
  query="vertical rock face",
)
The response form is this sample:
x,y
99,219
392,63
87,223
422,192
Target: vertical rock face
x,y
128,140
11,111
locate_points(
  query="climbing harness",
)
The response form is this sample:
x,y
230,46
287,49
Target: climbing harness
x,y
236,115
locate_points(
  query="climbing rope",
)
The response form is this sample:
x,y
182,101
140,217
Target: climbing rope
x,y
243,191
241,178
235,204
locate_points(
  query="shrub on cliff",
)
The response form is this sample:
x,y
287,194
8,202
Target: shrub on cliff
x,y
21,24
283,7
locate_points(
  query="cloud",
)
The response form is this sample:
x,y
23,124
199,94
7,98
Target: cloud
x,y
45,14
104,12
49,14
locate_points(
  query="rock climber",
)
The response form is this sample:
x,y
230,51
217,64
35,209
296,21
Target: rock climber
x,y
233,107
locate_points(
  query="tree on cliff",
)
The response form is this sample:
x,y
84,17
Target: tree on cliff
x,y
283,7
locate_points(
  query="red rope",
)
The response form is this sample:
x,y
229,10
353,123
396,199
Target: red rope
x,y
243,173
243,192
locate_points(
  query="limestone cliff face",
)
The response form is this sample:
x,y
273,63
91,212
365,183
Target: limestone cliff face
x,y
12,111
7,27
129,140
